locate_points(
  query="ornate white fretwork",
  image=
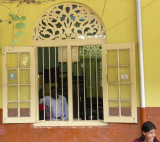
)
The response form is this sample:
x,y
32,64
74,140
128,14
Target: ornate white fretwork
x,y
91,51
69,21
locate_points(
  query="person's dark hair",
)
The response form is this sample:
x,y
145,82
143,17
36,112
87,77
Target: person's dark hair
x,y
53,88
146,127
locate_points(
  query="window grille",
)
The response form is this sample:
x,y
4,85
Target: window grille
x,y
87,90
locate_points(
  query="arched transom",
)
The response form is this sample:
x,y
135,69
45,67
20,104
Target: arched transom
x,y
69,21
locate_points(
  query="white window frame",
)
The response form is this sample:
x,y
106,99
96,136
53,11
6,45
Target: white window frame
x,y
19,119
121,119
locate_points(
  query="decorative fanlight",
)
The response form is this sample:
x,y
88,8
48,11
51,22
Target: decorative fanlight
x,y
69,21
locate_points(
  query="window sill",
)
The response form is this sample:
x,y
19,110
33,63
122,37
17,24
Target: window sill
x,y
69,123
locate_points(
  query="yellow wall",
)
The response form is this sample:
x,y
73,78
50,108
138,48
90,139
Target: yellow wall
x,y
119,18
0,79
151,36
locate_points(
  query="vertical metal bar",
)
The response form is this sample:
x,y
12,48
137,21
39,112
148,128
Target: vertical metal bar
x,y
84,85
78,85
43,83
49,67
70,91
90,74
119,83
62,78
97,82
55,69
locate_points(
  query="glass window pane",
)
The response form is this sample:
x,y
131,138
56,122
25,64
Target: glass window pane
x,y
124,74
24,60
124,57
12,77
24,92
12,60
24,109
12,93
112,57
112,74
24,76
113,108
125,108
12,109
113,91
125,91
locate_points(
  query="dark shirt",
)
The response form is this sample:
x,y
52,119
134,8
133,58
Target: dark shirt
x,y
138,140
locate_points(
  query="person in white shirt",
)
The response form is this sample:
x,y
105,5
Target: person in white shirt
x,y
57,113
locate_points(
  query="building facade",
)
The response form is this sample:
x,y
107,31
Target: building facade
x,y
87,51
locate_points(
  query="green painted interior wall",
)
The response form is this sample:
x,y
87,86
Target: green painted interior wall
x,y
119,18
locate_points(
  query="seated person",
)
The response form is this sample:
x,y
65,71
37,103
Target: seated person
x,y
149,133
58,100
